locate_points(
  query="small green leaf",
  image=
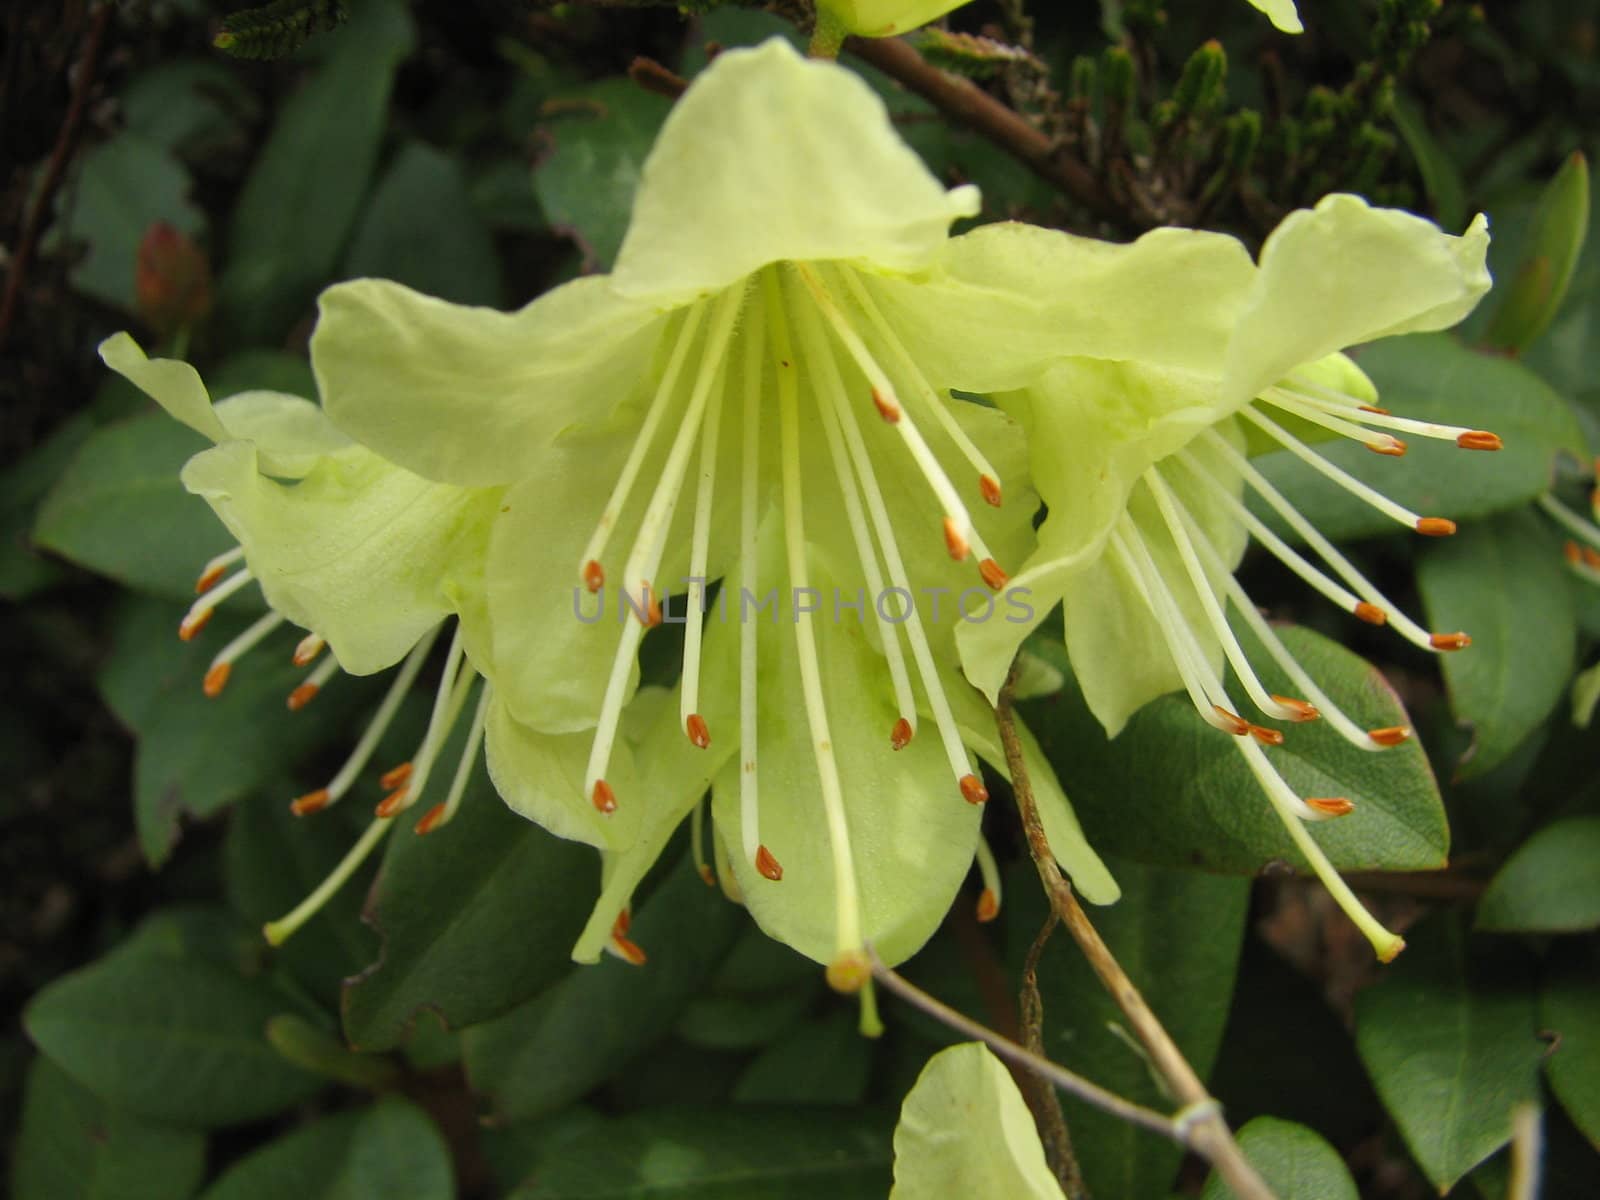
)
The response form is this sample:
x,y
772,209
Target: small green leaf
x,y
559,1046
314,1048
965,1131
1294,1161
1533,295
1569,1008
1447,191
825,1061
119,509
1177,933
601,135
24,485
1504,582
171,1038
74,1146
1550,885
308,183
190,106
1199,805
474,918
391,1149
1432,377
421,229
1449,1040
720,1154
122,187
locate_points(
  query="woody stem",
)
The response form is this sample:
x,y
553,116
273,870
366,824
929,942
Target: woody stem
x,y
1209,1135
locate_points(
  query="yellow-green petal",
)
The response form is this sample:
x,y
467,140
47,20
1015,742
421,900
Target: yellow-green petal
x,y
173,384
966,1131
1282,14
884,18
770,156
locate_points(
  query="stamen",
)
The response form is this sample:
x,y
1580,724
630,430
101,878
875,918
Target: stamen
x,y
954,542
314,683
750,468
1332,806
279,931
1185,535
1479,439
442,814
379,725
1319,414
1371,614
307,649
629,951
1232,722
1390,735
988,477
1435,526
767,865
992,574
605,734
589,563
311,802
1335,402
697,836
1570,521
202,610
395,777
887,408
699,733
1267,737
1403,625
973,791
222,665
215,568
847,904
603,797
1449,641
1302,710
1328,470
455,682
989,898
900,736
700,541
429,821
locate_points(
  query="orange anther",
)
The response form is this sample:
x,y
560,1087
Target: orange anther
x,y
623,923
1574,555
216,679
1236,724
1371,614
769,867
1391,446
652,612
953,541
594,576
194,623
311,802
392,803
1331,806
302,696
696,728
1591,556
630,952
972,790
1479,439
887,408
307,649
1449,641
1435,526
208,578
1390,735
431,820
395,777
992,574
1304,710
1373,408
900,736
1266,736
603,797
988,905
708,875
990,487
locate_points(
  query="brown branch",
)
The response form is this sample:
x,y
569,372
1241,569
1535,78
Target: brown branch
x,y
1208,1132
981,112
82,84
653,77
1044,1101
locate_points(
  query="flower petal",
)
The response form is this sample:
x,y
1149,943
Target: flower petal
x,y
770,156
358,550
1282,14
1344,273
290,434
884,18
469,395
174,385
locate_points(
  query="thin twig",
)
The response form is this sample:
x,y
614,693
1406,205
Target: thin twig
x,y
1209,1135
1086,1090
1046,1104
653,77
975,108
82,83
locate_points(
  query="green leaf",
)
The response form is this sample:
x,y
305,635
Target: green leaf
x,y
1504,582
1530,299
196,755
421,229
825,1061
1294,1161
1550,885
22,487
1431,377
307,186
1447,190
600,135
173,1038
1448,1039
559,1046
1569,1007
122,187
189,106
474,919
390,1149
74,1146
1177,933
1200,806
720,1154
502,196
119,509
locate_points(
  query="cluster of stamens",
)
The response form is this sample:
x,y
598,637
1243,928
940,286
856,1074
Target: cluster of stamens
x,y
1582,547
1208,579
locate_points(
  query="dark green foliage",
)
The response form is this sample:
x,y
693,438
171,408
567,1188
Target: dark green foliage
x,y
278,29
